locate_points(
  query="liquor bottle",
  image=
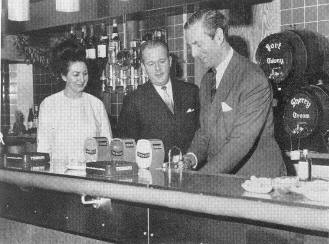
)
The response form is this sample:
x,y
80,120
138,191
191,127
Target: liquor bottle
x,y
111,76
90,44
36,117
135,64
157,35
83,37
147,37
72,34
103,82
144,77
102,45
30,120
305,167
160,34
115,36
122,82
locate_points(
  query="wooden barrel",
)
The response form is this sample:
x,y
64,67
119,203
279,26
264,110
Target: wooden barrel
x,y
293,57
307,111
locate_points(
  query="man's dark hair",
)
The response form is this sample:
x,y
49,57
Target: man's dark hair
x,y
152,44
64,53
211,20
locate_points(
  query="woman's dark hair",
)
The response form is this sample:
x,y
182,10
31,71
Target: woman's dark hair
x,y
64,53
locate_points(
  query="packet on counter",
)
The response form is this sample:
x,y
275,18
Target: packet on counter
x,y
317,190
285,183
258,185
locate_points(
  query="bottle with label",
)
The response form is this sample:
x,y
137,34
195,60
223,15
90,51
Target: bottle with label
x,y
110,77
122,84
135,65
83,37
112,67
102,45
72,34
30,120
36,117
103,81
115,36
305,167
91,44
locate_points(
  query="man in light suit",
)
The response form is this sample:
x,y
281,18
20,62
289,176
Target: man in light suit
x,y
236,121
162,108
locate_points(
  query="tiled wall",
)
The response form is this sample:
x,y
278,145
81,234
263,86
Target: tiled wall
x,y
44,83
308,14
172,20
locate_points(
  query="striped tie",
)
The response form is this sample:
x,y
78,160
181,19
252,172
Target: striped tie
x,y
213,84
167,99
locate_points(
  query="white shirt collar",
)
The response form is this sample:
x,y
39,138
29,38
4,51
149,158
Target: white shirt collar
x,y
220,69
169,90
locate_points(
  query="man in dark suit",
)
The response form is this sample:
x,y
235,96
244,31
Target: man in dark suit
x,y
162,108
236,121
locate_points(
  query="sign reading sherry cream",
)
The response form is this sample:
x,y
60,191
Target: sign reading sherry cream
x,y
301,115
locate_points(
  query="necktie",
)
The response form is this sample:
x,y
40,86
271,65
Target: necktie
x,y
167,99
213,84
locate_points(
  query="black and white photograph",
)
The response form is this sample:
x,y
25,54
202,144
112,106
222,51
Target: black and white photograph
x,y
164,122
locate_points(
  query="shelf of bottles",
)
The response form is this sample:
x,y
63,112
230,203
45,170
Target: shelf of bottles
x,y
118,63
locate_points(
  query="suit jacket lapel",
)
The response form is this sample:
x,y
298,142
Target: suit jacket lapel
x,y
225,85
228,79
177,96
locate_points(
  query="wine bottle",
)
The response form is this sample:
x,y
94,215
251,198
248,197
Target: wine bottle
x,y
72,34
115,37
91,46
102,45
83,37
111,76
103,82
135,65
30,120
36,117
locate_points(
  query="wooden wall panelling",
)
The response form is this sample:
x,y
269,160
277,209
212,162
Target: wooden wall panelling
x,y
265,20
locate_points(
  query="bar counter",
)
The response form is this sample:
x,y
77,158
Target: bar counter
x,y
183,197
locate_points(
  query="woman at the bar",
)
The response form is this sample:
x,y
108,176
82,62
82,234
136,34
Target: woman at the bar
x,y
68,117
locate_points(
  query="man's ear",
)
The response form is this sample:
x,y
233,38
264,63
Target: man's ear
x,y
170,60
219,36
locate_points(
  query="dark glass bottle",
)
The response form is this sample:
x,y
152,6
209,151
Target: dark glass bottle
x,y
83,37
30,120
72,34
36,117
102,43
115,37
91,44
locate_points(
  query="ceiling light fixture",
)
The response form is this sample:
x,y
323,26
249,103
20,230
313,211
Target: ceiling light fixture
x,y
19,10
68,5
